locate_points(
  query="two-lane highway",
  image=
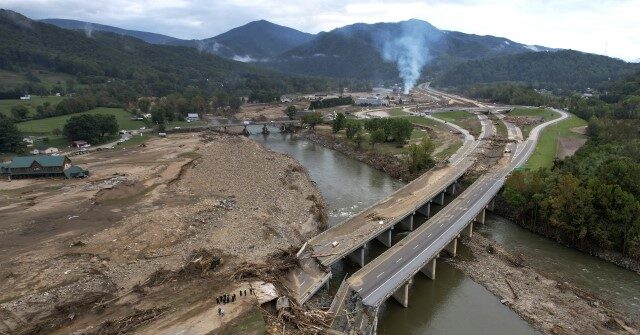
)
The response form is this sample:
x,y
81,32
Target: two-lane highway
x,y
379,279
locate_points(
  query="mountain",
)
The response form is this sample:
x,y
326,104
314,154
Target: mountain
x,y
89,27
147,69
561,69
373,51
254,41
257,40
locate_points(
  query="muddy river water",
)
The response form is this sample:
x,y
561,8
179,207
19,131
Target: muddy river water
x,y
453,303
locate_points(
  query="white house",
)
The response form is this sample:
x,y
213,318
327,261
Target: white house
x,y
28,141
45,151
192,117
26,97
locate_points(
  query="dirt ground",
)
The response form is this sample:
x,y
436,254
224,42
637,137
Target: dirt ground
x,y
570,144
550,306
135,242
264,112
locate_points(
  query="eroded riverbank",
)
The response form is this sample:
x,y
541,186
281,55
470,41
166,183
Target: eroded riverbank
x,y
551,306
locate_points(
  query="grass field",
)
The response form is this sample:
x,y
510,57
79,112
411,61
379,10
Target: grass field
x,y
546,114
397,112
6,105
463,119
46,126
547,148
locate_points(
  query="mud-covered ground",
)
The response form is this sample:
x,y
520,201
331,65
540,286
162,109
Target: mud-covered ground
x,y
551,306
135,245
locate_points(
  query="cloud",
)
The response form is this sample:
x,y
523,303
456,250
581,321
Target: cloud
x,y
606,26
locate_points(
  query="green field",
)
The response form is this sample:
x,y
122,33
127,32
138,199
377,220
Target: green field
x,y
6,105
545,114
463,119
397,112
547,148
46,126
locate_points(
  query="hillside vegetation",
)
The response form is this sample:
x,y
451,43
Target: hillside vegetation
x,y
592,199
565,69
115,60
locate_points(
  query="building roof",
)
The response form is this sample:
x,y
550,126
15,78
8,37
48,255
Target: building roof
x,y
46,161
75,171
192,115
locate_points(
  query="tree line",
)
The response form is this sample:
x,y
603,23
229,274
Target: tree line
x,y
590,200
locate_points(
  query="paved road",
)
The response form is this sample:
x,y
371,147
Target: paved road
x,y
366,225
379,279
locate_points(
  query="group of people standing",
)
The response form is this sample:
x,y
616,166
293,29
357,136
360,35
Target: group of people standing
x,y
229,298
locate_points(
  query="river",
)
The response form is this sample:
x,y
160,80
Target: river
x,y
453,303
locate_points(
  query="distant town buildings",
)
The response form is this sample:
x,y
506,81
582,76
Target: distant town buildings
x,y
372,101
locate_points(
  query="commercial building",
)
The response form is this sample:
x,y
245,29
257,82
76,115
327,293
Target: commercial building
x,y
372,101
41,166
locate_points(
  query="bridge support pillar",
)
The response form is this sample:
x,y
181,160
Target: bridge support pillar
x,y
429,270
357,256
402,295
385,237
451,189
492,205
406,223
425,209
468,230
439,199
452,247
480,217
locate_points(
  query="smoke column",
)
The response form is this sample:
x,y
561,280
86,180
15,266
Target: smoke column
x,y
409,51
88,30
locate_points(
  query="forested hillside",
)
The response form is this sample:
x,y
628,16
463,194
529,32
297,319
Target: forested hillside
x,y
565,69
130,65
592,199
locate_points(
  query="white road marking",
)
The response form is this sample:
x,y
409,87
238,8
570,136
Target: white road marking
x,y
381,273
399,259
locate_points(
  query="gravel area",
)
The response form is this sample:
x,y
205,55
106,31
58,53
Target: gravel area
x,y
550,306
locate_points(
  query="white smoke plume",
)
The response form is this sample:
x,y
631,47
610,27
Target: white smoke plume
x,y
409,50
88,30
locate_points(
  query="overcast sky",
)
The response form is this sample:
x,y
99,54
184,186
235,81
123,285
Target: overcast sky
x,y
610,27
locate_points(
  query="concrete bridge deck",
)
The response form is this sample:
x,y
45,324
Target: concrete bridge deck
x,y
391,273
349,238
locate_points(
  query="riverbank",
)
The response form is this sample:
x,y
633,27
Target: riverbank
x,y
182,221
552,307
393,165
616,258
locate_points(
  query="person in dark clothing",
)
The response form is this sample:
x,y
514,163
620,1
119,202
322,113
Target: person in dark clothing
x,y
245,293
217,301
233,298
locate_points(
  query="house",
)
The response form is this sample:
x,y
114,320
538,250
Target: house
x,y
75,172
28,141
80,144
35,166
26,97
285,98
42,150
192,117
